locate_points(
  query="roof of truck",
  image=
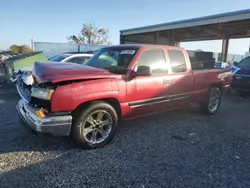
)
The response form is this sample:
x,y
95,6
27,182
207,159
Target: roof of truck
x,y
141,46
131,45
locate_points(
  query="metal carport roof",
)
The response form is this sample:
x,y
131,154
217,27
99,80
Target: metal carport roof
x,y
227,25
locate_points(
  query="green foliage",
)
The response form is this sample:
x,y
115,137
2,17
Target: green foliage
x,y
20,49
91,34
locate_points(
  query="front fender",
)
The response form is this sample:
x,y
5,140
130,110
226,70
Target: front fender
x,y
68,97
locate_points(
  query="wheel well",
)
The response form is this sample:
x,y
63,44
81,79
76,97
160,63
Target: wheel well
x,y
113,102
219,85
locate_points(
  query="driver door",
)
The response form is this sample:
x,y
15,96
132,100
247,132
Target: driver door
x,y
149,94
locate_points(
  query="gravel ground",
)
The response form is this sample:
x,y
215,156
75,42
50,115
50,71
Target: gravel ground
x,y
176,149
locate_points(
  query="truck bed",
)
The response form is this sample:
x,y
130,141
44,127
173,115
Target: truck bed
x,y
204,78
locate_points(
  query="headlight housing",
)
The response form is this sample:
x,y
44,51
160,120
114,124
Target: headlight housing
x,y
42,93
28,73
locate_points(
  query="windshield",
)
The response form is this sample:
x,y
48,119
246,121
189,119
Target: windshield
x,y
244,63
59,58
114,60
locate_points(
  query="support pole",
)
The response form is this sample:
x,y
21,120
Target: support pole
x,y
121,39
177,44
78,47
224,52
156,38
172,39
32,45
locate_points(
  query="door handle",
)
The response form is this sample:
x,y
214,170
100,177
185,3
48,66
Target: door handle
x,y
167,81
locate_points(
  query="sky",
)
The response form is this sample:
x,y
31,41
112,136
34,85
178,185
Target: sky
x,y
55,20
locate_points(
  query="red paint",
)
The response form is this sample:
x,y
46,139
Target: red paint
x,y
126,89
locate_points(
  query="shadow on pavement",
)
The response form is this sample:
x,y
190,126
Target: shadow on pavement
x,y
16,138
144,154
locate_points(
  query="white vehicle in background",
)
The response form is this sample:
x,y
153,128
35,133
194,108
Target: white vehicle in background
x,y
25,74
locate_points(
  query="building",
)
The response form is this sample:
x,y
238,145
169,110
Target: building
x,y
226,26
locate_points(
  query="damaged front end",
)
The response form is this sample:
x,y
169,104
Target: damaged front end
x,y
34,110
15,75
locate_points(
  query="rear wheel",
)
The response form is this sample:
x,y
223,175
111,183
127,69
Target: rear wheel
x,y
212,103
95,126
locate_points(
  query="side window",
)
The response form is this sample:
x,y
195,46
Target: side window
x,y
177,61
77,60
154,59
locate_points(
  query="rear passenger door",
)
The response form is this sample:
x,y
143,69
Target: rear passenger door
x,y
181,78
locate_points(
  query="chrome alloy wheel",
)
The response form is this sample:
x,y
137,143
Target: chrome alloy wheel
x,y
214,100
97,126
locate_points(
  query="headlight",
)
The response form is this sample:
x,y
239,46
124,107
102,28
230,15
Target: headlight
x,y
29,73
42,93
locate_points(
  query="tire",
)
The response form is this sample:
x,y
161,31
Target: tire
x,y
209,108
90,129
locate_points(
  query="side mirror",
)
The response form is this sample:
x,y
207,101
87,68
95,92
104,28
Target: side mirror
x,y
143,71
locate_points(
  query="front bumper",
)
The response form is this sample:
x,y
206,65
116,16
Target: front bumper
x,y
55,125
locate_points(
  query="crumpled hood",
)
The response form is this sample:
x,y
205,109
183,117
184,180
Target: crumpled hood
x,y
58,72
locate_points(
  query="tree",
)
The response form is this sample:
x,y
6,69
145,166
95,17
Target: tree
x,y
24,49
14,48
20,49
91,34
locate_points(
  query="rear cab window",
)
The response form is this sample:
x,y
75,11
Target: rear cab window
x,y
155,59
177,61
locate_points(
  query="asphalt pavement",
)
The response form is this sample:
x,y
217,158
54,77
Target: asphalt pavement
x,y
182,148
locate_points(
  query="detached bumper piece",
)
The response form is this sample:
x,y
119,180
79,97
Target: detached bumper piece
x,y
55,125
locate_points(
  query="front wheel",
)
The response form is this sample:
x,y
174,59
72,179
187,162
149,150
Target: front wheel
x,y
212,103
95,126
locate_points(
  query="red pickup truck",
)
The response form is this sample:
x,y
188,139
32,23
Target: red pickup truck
x,y
118,83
